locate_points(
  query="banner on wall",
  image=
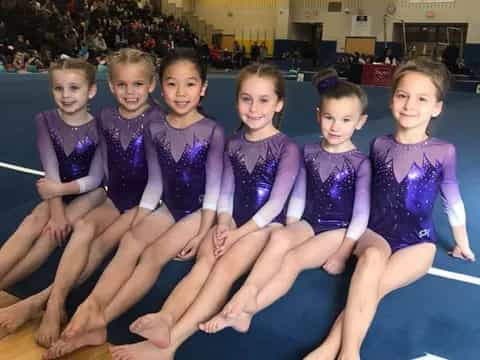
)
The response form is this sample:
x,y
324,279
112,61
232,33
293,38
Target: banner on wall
x,y
429,1
361,25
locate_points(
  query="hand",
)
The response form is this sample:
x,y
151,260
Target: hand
x,y
335,264
48,189
190,249
219,235
228,238
464,254
57,229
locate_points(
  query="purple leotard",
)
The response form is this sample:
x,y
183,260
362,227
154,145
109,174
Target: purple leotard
x,y
184,166
69,153
258,178
406,181
332,191
124,148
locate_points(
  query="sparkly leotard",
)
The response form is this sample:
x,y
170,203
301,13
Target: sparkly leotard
x,y
184,165
69,153
124,149
406,181
258,178
332,191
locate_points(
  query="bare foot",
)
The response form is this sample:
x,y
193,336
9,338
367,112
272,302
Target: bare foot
x,y
241,323
245,300
64,347
52,320
14,316
323,352
154,327
88,317
141,351
352,356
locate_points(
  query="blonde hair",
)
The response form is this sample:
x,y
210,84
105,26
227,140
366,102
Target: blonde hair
x,y
130,56
435,71
74,64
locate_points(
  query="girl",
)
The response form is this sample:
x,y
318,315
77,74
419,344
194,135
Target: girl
x,y
131,80
333,194
409,169
260,167
68,144
185,151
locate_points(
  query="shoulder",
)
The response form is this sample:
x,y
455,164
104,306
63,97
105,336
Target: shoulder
x,y
442,147
45,116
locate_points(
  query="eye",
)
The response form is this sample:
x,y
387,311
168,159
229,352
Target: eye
x,y
57,88
347,120
74,87
139,83
400,96
191,84
423,99
245,99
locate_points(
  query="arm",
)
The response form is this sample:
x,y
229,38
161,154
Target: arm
x,y
358,223
48,157
453,206
296,205
287,172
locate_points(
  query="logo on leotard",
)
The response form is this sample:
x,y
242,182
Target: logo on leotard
x,y
424,233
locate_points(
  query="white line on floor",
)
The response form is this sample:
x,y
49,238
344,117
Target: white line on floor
x,y
21,169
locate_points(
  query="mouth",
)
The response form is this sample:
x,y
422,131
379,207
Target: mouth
x,y
181,104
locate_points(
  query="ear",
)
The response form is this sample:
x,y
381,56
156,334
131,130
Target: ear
x,y
153,84
361,122
110,85
204,89
279,106
437,109
92,91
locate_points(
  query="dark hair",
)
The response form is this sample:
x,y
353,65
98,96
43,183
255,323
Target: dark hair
x,y
175,57
264,71
74,64
435,71
329,86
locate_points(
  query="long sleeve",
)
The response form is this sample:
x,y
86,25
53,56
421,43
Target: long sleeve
x,y
284,180
361,204
214,169
153,190
449,190
48,157
95,173
296,205
225,201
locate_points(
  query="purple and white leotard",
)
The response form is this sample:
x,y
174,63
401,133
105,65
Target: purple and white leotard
x,y
258,178
69,153
124,151
184,166
332,191
406,181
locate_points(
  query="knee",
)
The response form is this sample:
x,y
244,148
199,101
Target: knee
x,y
84,227
130,245
39,215
224,270
372,256
290,263
279,242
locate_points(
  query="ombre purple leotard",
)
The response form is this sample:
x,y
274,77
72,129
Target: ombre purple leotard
x,y
405,184
258,178
185,166
124,148
332,191
69,153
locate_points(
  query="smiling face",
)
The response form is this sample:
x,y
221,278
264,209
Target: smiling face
x,y
338,120
182,88
415,102
258,102
131,84
71,91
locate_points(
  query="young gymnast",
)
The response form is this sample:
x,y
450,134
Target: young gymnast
x,y
409,169
68,145
185,152
131,80
260,167
327,213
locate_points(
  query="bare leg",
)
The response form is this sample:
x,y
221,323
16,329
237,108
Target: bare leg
x,y
310,254
236,261
90,314
156,327
72,263
16,315
17,246
144,276
43,246
267,265
403,268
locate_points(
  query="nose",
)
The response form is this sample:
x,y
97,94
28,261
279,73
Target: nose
x,y
179,91
335,125
253,106
408,103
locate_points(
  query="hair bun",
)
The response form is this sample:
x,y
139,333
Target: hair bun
x,y
325,79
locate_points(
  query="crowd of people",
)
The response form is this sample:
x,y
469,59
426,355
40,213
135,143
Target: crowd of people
x,y
35,33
